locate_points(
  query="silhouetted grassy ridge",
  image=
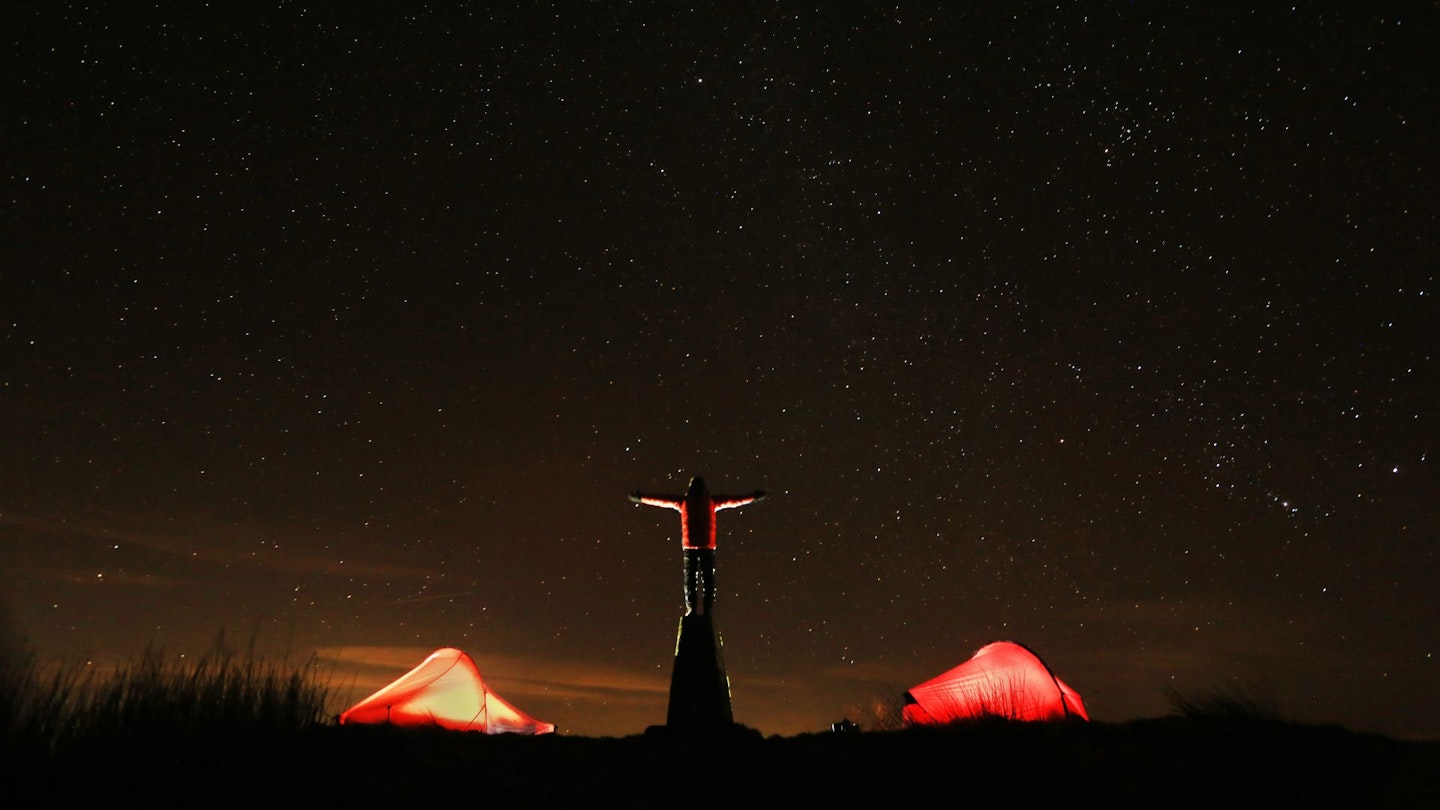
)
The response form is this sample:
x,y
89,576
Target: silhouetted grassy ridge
x,y
226,730
1173,762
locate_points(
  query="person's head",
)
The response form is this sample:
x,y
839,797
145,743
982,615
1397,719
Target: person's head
x,y
697,487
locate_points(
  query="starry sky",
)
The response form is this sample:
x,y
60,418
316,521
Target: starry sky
x,y
1106,328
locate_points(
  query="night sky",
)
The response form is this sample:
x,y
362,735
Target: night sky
x,y
1108,328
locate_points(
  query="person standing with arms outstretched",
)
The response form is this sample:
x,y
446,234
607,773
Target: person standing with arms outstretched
x,y
697,508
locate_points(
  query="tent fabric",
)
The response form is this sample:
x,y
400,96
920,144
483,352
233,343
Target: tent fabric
x,y
445,690
1003,679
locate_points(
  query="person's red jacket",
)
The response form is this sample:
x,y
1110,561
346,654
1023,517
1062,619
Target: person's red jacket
x,y
697,508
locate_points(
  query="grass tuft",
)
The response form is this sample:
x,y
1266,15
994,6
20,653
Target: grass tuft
x,y
155,698
1231,702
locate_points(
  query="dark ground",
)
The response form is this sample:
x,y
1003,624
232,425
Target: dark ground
x,y
1150,763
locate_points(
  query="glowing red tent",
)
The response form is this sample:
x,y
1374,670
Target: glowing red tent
x,y
1003,679
446,690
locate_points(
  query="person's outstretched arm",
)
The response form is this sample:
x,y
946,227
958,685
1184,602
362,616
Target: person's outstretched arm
x,y
667,501
732,501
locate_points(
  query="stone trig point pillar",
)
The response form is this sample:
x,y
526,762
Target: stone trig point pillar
x,y
699,687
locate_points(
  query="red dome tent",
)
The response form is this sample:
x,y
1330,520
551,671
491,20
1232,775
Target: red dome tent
x,y
445,690
1003,679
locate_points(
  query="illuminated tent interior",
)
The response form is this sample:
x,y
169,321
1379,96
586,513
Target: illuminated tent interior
x,y
1003,679
445,690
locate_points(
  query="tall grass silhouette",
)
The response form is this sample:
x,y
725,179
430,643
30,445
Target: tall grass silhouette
x,y
50,710
1229,701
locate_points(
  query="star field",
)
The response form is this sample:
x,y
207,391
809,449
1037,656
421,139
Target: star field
x,y
1110,330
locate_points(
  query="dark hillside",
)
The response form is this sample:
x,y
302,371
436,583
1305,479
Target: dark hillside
x,y
1154,763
